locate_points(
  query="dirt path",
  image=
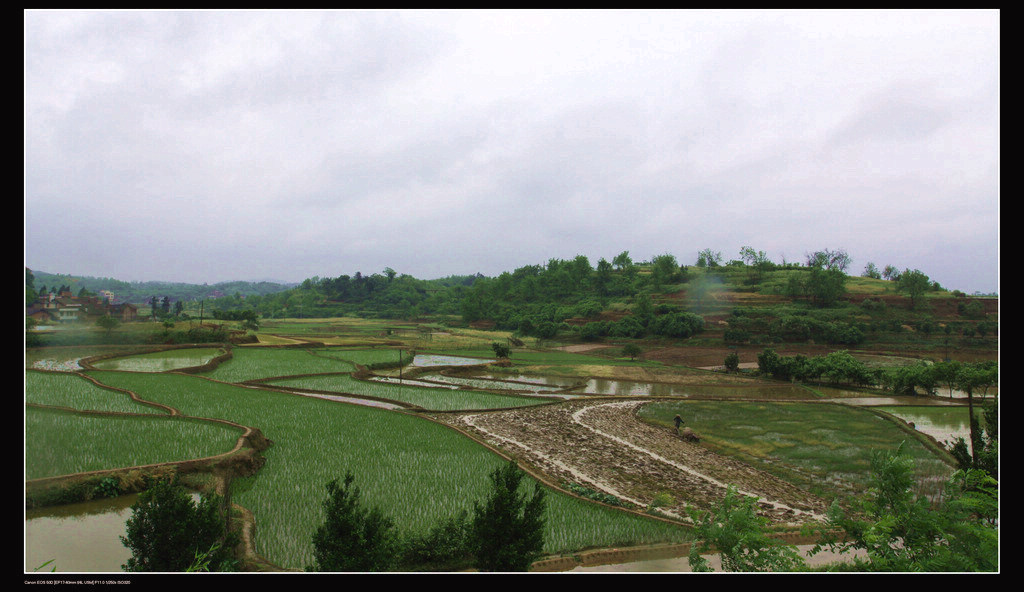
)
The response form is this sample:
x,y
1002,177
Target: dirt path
x,y
682,564
602,445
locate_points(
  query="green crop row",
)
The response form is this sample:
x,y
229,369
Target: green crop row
x,y
61,443
809,444
255,363
365,357
65,389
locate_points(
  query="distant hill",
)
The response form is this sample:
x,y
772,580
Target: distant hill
x,y
141,292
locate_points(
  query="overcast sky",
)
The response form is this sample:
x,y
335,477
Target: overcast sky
x,y
207,146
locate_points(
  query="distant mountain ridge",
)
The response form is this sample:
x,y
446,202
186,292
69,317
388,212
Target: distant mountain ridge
x,y
141,292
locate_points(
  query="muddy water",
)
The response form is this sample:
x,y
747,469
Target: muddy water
x,y
943,424
78,537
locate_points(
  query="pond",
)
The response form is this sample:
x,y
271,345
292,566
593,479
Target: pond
x,y
427,360
942,423
81,537
161,361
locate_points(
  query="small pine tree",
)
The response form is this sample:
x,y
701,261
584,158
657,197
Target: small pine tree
x,y
507,531
353,538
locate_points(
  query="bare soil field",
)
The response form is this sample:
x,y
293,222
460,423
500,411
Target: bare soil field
x,y
602,445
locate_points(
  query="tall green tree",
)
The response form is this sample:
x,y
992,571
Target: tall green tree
x,y
353,537
915,284
622,261
168,531
757,263
708,259
507,530
664,270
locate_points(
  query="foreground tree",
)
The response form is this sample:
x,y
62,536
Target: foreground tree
x,y
733,529
169,532
507,530
900,531
352,537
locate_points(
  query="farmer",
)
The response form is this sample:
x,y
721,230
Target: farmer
x,y
679,422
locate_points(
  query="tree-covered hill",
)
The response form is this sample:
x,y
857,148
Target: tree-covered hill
x,y
140,293
749,301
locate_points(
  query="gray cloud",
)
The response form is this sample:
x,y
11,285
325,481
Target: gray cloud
x,y
290,144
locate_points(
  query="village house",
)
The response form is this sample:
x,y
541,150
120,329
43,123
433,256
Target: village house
x,y
66,308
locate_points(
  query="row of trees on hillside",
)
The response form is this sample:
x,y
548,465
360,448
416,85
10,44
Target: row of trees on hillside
x,y
840,367
552,292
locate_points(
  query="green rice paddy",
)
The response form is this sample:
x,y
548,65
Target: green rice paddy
x,y
809,444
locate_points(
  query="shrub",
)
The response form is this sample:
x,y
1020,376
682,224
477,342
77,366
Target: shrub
x,y
167,531
445,547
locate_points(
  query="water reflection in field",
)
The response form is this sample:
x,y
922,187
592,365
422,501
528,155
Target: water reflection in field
x,y
81,537
426,360
944,423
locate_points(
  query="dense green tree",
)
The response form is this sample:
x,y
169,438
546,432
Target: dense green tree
x,y
971,377
915,284
168,531
871,271
501,350
768,362
664,270
732,361
643,310
603,277
632,350
622,261
353,537
507,529
108,323
707,259
825,286
757,263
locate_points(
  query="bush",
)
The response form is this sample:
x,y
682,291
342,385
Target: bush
x,y
732,362
168,531
444,548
